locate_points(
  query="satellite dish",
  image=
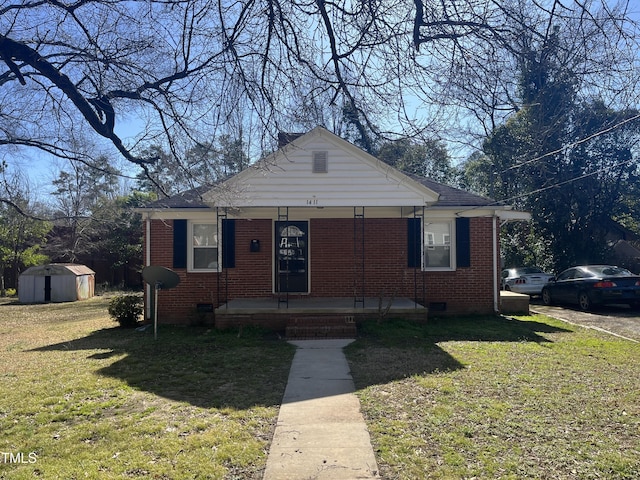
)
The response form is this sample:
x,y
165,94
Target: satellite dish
x,y
160,278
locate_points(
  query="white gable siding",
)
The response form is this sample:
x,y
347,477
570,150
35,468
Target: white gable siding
x,y
353,178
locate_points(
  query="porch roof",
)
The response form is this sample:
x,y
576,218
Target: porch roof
x,y
448,197
353,179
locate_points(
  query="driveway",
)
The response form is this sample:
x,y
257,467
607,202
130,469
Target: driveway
x,y
616,319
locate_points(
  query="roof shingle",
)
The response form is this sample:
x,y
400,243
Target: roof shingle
x,y
453,197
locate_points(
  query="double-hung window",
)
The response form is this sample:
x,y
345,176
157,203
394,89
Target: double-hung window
x,y
203,251
438,254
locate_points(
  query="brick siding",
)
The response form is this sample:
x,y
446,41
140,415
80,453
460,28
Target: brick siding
x,y
335,267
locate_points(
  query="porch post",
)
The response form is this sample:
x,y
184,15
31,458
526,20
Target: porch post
x,y
221,215
147,262
496,292
359,261
283,216
418,213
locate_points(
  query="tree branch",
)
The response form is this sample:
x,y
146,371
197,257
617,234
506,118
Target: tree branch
x,y
99,112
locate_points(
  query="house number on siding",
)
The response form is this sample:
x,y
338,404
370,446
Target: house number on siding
x,y
312,201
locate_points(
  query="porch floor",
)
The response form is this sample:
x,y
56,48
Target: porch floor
x,y
319,305
304,317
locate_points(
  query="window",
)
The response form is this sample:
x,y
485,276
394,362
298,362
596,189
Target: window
x,y
568,275
204,246
437,247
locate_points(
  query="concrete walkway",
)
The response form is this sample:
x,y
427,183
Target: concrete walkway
x,y
320,432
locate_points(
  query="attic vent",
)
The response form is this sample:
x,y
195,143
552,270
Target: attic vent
x,y
320,162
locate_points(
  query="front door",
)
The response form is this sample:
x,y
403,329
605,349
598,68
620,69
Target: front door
x,y
292,248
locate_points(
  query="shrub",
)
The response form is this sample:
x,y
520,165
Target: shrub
x,y
126,309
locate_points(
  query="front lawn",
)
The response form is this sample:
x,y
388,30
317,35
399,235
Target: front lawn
x,y
528,397
481,397
82,398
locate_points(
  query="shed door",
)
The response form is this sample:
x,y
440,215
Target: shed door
x,y
292,261
47,288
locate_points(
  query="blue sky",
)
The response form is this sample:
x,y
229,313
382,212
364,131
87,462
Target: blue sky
x,y
41,169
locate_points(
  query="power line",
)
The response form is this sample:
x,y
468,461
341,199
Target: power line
x,y
572,145
571,180
549,187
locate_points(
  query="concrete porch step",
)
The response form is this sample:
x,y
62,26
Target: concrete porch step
x,y
323,326
512,303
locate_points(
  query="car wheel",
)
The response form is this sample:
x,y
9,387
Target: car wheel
x,y
546,297
584,301
507,288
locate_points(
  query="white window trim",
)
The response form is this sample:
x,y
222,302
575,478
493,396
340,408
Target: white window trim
x,y
191,246
429,246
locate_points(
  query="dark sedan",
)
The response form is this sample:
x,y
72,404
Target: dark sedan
x,y
591,285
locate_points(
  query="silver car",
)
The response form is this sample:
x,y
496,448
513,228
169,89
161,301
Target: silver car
x,y
529,280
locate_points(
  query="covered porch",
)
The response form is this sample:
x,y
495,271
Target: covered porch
x,y
315,317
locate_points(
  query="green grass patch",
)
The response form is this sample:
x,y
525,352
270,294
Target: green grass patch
x,y
493,397
483,397
82,398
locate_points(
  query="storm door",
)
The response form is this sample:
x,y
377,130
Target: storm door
x,y
292,262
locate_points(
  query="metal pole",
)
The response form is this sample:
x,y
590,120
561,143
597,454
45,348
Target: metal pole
x,y
155,313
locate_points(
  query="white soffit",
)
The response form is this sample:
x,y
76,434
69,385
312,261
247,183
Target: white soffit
x,y
351,178
514,215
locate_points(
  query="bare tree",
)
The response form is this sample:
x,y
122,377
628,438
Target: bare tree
x,y
22,234
77,193
182,69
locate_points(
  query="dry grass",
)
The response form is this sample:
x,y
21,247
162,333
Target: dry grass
x,y
83,398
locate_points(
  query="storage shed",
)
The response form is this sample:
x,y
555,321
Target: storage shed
x,y
56,282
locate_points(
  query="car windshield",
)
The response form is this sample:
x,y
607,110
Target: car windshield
x,y
608,271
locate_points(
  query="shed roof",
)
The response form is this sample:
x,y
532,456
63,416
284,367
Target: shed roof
x,y
58,269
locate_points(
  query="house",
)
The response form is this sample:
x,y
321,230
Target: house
x,y
623,245
321,228
56,282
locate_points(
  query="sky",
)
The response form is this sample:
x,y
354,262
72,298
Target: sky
x,y
41,169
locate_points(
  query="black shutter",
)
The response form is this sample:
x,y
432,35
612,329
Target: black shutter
x,y
228,243
414,242
463,243
179,244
